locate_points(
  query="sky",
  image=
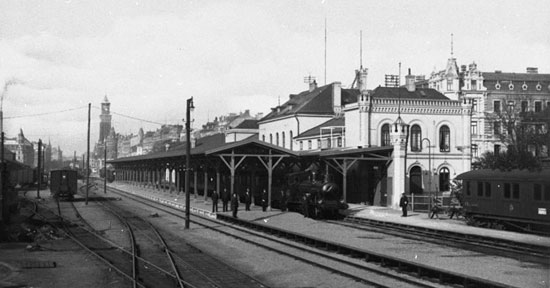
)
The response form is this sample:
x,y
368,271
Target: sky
x,y
149,57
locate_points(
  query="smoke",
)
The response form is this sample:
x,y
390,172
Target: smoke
x,y
7,84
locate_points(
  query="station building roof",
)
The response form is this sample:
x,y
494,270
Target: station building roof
x,y
318,101
316,131
403,93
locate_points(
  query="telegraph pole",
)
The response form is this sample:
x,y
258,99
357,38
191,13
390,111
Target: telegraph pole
x,y
88,156
187,156
38,170
5,214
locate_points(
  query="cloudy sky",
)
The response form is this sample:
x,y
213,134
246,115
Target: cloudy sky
x,y
148,57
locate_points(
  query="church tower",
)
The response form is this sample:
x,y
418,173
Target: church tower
x,y
105,124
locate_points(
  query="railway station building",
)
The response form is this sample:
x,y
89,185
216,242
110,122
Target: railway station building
x,y
493,95
375,144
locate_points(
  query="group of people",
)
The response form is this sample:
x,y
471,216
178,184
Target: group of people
x,y
225,197
455,208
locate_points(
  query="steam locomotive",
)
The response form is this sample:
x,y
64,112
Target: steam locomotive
x,y
513,200
313,198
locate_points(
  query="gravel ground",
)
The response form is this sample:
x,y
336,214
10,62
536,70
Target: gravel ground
x,y
73,266
268,267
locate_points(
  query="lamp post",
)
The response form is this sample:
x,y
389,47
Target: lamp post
x,y
38,169
429,172
187,156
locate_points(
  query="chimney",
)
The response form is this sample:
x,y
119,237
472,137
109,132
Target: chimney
x,y
532,70
409,82
337,97
312,85
362,79
463,68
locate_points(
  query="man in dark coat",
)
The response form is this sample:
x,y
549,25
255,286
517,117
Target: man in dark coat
x,y
283,201
214,201
234,204
305,204
247,200
264,200
403,203
225,200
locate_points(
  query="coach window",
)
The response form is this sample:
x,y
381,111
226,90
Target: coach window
x,y
507,191
468,188
515,191
385,141
488,189
479,189
444,177
547,193
416,137
537,192
444,139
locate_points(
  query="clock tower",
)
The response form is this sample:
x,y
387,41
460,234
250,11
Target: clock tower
x,y
105,124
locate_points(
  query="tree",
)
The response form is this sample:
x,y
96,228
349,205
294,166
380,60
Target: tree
x,y
525,136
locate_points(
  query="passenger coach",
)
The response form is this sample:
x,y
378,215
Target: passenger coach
x,y
517,199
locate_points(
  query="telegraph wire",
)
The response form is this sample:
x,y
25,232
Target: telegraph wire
x,y
45,113
78,108
132,117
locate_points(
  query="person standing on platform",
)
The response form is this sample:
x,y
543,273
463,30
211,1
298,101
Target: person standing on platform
x,y
247,200
225,200
436,208
214,201
264,200
403,203
283,201
305,205
234,204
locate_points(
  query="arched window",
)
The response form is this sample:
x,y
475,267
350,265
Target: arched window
x,y
270,138
283,134
444,179
416,138
416,180
277,138
291,139
385,136
444,139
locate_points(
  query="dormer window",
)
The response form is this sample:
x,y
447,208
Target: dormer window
x,y
539,87
497,86
511,86
524,86
474,84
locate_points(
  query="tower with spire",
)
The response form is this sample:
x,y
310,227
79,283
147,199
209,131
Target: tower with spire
x,y
105,123
447,81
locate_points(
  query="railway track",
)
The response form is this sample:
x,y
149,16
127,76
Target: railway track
x,y
349,262
488,245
